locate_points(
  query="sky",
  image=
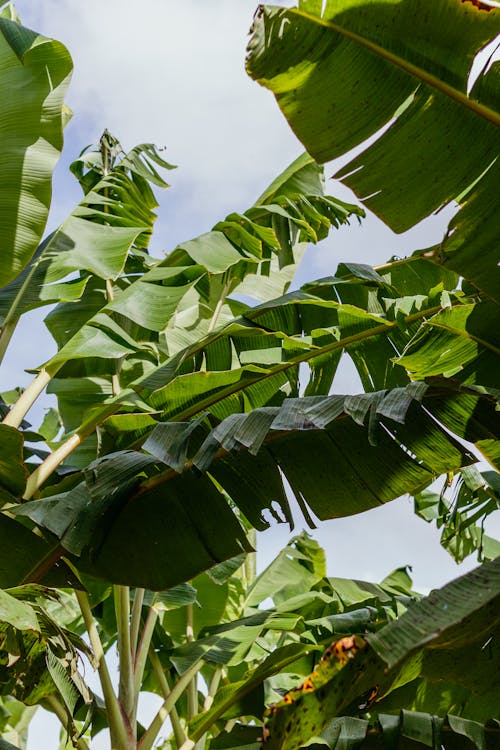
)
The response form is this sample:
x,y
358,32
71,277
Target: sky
x,y
172,73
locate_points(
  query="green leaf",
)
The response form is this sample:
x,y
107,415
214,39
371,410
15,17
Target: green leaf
x,y
370,50
296,568
453,615
462,343
208,608
13,473
17,613
178,596
226,698
22,553
470,729
35,75
63,682
243,737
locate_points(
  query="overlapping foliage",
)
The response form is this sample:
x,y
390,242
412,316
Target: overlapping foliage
x,y
183,407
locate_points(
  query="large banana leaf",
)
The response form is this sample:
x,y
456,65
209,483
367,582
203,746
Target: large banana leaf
x,y
35,76
340,455
409,729
253,361
437,638
244,363
346,71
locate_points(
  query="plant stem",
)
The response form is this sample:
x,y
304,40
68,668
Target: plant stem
x,y
143,648
50,464
126,694
192,691
27,399
250,564
151,733
135,622
119,732
179,734
53,704
47,467
212,688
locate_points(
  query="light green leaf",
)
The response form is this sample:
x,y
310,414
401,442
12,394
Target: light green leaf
x,y
17,613
35,75
370,50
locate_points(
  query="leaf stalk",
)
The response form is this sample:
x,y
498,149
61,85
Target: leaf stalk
x,y
119,732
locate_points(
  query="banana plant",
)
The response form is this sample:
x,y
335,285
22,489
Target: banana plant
x,y
294,645
399,683
244,654
158,361
183,406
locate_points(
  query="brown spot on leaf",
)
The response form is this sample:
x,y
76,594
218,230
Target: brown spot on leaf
x,y
478,4
307,685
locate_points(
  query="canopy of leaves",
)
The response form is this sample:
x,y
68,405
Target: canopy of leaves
x,y
184,407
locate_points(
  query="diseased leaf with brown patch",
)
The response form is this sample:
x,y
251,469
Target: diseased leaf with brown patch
x,y
480,5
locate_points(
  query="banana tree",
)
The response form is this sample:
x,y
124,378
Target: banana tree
x,y
402,76
181,409
220,656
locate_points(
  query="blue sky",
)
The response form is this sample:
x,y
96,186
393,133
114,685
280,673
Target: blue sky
x,y
173,73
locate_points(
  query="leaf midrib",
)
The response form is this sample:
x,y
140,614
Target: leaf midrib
x,y
415,71
463,333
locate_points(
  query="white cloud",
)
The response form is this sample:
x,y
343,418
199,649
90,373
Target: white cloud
x,y
173,73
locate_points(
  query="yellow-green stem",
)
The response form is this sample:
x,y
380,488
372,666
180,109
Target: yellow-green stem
x,y
212,688
126,693
250,564
119,732
192,691
45,469
143,648
27,399
135,622
50,464
115,378
151,733
218,307
179,734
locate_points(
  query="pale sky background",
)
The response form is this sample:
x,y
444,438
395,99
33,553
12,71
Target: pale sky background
x,y
173,73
